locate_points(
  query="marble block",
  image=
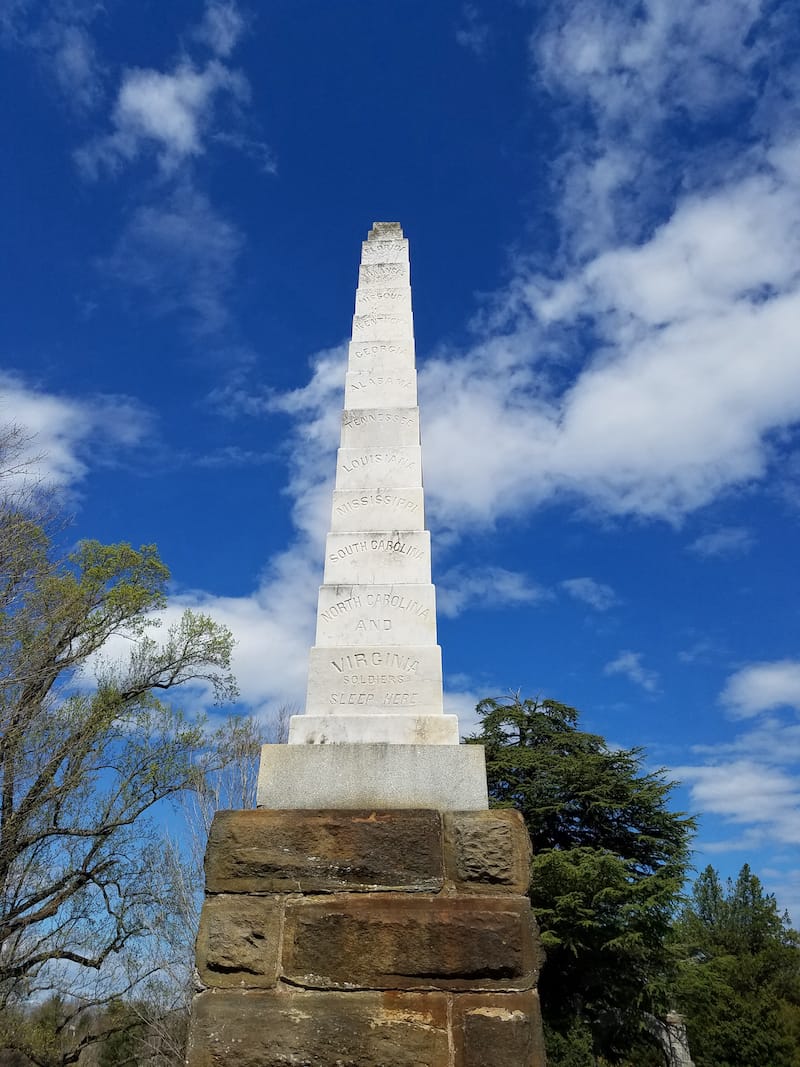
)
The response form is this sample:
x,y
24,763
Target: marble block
x,y
380,387
443,777
376,614
382,326
389,467
375,678
377,509
366,427
391,300
392,251
399,354
427,729
383,274
378,558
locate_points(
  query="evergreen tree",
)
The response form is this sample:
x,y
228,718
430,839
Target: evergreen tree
x,y
738,981
610,858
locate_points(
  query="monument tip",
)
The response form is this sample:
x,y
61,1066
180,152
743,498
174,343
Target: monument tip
x,y
385,231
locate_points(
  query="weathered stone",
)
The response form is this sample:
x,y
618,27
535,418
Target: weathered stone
x,y
238,941
362,774
323,851
402,942
486,851
498,1030
288,1029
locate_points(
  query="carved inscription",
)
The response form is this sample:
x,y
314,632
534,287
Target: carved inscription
x,y
380,318
379,382
378,459
377,544
377,348
387,658
384,251
343,607
397,600
378,273
384,499
382,418
377,297
390,700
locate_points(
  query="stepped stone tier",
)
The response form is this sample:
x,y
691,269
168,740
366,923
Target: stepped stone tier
x,y
367,939
375,671
371,912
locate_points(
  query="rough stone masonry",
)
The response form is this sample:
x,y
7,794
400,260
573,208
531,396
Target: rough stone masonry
x,y
371,912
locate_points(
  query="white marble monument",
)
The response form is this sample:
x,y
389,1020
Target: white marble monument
x,y
374,732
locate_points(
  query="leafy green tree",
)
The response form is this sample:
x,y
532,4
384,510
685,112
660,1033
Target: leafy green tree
x,y
89,746
738,980
610,858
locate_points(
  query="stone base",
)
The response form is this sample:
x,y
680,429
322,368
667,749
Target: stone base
x,y
381,729
367,939
344,776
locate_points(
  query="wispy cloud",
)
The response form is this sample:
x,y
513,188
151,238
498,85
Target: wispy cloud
x,y
596,594
221,27
629,665
59,36
67,432
762,687
182,253
168,114
670,407
473,31
727,541
462,587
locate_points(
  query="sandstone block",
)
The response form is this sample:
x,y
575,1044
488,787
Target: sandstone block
x,y
498,1030
261,1029
393,941
487,851
323,851
238,941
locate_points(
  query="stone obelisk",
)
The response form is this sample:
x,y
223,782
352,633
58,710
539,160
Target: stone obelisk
x,y
371,912
375,671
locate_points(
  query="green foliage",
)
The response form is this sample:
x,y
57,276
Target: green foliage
x,y
738,979
89,743
610,858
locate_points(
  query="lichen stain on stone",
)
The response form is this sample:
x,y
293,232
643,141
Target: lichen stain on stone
x,y
503,1014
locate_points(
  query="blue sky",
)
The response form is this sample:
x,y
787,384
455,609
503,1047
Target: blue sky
x,y
603,205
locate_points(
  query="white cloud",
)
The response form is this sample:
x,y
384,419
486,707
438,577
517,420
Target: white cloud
x,y
166,113
747,792
727,541
473,32
762,687
629,665
58,35
463,587
222,26
696,371
182,253
65,431
596,594
627,77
